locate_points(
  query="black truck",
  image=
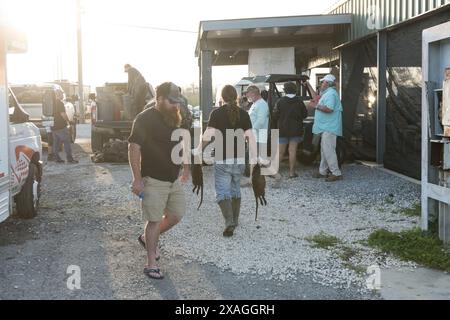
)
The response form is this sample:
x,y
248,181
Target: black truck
x,y
112,113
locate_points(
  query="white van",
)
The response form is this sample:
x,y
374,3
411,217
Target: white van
x,y
20,145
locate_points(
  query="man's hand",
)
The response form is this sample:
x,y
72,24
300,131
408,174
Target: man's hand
x,y
314,102
137,187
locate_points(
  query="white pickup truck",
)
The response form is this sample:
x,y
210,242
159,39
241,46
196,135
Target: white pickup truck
x,y
34,100
20,164
20,144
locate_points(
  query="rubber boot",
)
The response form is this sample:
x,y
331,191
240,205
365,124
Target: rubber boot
x,y
227,212
236,204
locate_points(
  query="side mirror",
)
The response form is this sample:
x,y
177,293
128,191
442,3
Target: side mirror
x,y
48,103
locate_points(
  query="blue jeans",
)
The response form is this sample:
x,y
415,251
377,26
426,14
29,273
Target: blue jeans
x,y
228,181
291,139
63,136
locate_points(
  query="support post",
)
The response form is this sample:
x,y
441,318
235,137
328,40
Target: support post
x,y
80,65
206,90
381,96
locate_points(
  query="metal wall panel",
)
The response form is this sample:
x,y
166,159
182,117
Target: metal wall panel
x,y
391,12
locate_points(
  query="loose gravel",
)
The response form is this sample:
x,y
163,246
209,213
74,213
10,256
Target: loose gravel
x,y
276,247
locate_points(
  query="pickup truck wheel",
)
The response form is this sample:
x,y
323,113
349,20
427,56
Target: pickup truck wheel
x,y
73,132
307,158
341,152
27,201
96,141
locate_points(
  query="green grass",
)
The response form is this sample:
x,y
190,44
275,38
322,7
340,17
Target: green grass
x,y
347,253
414,211
344,252
323,241
389,200
413,245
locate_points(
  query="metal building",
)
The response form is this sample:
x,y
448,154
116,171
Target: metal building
x,y
374,46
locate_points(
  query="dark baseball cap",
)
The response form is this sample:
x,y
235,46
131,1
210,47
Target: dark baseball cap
x,y
170,91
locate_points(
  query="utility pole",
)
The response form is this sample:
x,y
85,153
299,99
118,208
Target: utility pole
x,y
80,64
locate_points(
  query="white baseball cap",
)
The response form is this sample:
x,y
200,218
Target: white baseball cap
x,y
328,78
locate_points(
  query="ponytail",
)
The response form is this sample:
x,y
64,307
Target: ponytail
x,y
229,96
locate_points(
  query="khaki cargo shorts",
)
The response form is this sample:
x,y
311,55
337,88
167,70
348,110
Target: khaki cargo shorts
x,y
160,196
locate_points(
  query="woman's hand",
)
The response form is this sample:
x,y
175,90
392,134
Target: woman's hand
x,y
185,175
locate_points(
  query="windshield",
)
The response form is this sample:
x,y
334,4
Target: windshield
x,y
12,103
29,95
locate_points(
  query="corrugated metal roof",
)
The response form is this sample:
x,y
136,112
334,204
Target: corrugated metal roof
x,y
270,28
369,16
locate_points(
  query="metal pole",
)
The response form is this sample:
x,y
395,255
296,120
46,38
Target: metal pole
x,y
206,90
381,99
80,64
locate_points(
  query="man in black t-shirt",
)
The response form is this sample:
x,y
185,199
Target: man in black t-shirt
x,y
60,130
155,175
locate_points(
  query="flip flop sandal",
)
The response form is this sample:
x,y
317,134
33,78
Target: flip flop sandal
x,y
150,271
142,243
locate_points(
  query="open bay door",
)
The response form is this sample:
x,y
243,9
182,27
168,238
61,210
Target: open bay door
x,y
10,42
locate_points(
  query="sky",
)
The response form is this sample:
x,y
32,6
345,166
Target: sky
x,y
116,32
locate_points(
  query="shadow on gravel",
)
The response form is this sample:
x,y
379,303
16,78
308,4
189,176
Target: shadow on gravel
x,y
35,254
231,287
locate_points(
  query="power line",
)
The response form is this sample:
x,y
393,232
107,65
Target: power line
x,y
153,28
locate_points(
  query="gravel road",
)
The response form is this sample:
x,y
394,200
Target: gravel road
x,y
89,219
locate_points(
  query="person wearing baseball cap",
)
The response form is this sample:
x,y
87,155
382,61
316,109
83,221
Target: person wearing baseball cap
x,y
155,176
328,124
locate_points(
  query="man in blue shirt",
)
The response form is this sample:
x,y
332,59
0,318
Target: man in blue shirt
x,y
328,124
259,115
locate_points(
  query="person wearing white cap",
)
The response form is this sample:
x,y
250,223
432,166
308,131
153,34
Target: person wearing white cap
x,y
328,124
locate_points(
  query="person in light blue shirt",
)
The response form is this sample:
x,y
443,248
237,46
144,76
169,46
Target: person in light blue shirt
x,y
259,115
328,124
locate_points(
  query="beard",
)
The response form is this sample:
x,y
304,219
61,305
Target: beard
x,y
171,116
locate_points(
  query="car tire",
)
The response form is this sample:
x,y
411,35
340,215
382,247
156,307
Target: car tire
x,y
27,201
73,132
307,159
96,141
341,151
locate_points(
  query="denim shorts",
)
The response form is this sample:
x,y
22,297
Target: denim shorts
x,y
291,139
228,181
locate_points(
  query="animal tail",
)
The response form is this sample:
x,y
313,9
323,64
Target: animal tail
x,y
201,199
256,216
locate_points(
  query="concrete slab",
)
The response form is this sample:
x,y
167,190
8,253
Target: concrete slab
x,y
417,284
